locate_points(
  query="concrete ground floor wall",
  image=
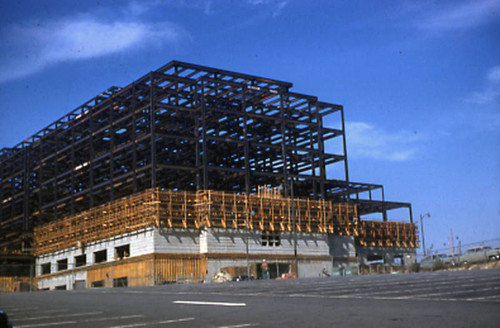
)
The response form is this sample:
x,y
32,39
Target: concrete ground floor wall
x,y
158,255
68,280
143,270
156,269
301,266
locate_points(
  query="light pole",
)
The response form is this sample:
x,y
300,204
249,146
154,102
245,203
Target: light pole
x,y
422,216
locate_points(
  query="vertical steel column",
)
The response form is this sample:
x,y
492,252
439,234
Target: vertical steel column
x,y
283,144
311,145
134,146
384,212
55,173
245,140
26,194
12,191
204,146
321,147
197,110
72,208
152,132
92,161
111,151
345,152
40,180
286,182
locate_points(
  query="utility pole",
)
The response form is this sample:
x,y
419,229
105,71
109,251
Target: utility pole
x,y
422,216
451,240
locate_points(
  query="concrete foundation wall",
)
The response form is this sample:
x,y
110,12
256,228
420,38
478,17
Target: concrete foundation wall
x,y
176,241
140,244
68,279
229,241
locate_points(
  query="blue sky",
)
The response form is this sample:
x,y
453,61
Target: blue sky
x,y
419,80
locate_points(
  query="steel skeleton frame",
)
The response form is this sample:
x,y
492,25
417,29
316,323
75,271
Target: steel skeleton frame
x,y
181,127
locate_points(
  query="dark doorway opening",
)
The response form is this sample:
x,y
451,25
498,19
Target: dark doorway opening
x,y
275,269
120,282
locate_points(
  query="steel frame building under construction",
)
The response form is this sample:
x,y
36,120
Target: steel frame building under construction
x,y
192,133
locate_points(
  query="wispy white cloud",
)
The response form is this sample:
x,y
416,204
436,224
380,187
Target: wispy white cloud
x,y
277,5
483,110
35,47
365,140
490,92
458,15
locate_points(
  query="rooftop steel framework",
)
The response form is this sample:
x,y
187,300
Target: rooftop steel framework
x,y
181,127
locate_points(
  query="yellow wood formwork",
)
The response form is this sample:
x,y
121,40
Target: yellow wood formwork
x,y
149,271
387,234
175,269
239,211
127,214
266,210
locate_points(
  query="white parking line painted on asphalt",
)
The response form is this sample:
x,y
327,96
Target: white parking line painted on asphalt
x,y
155,323
494,298
132,325
454,292
48,324
412,291
241,325
60,316
114,318
176,320
209,303
412,285
310,295
133,292
399,298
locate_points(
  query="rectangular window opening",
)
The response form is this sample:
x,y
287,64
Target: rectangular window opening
x,y
80,260
100,256
46,268
62,265
270,238
122,252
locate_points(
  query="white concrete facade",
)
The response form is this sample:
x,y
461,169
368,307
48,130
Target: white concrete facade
x,y
140,244
229,241
318,254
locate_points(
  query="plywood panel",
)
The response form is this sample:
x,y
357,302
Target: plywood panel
x,y
150,271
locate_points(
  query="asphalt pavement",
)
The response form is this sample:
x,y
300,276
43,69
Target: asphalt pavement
x,y
436,299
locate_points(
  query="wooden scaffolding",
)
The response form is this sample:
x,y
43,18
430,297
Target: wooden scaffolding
x,y
266,211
